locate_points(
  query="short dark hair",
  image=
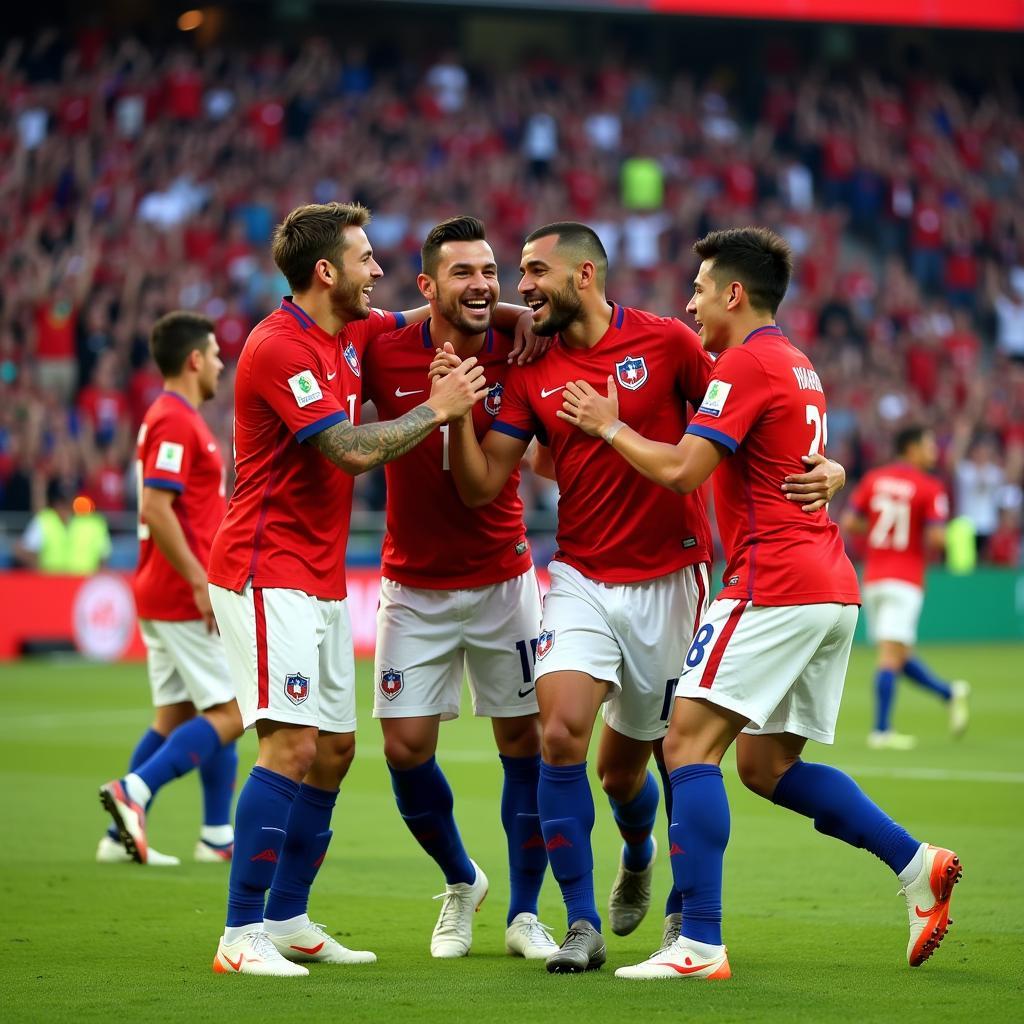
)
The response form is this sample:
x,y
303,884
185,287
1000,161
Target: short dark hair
x,y
908,437
759,259
175,336
455,229
579,240
310,233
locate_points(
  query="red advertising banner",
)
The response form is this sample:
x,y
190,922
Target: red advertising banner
x,y
97,613
989,14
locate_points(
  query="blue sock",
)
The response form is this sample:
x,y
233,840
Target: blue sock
x,y
922,675
840,808
636,823
566,808
261,818
186,748
309,833
217,774
425,802
699,835
147,746
674,900
527,855
885,691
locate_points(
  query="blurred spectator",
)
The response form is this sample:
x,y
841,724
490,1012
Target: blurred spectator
x,y
68,537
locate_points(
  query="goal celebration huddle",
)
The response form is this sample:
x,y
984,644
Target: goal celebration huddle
x,y
243,608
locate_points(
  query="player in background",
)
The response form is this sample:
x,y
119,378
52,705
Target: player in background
x,y
180,479
767,664
903,511
630,578
277,573
443,612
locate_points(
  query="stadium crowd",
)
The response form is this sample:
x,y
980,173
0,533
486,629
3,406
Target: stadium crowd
x,y
135,181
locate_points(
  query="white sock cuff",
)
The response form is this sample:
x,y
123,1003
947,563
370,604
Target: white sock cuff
x,y
292,924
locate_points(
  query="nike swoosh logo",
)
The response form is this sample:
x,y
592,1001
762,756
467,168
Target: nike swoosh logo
x,y
331,376
237,966
685,970
399,393
309,950
527,692
547,392
925,913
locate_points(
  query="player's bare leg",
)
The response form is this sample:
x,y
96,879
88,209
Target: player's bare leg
x,y
772,768
426,804
569,702
518,743
633,794
699,735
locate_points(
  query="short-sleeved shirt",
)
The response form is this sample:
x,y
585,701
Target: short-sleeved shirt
x,y
288,519
765,404
614,525
899,502
433,540
176,452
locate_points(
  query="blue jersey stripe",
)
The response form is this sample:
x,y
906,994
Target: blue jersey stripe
x,y
163,485
710,434
516,432
321,424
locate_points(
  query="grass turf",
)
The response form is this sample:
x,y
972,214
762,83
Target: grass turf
x,y
816,930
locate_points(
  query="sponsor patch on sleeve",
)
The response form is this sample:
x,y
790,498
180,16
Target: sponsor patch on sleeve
x,y
169,457
305,388
714,400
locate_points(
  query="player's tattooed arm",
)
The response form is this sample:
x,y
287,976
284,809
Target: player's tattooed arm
x,y
357,449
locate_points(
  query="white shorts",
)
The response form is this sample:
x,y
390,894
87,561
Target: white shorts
x,y
427,639
290,656
781,667
634,635
892,608
185,663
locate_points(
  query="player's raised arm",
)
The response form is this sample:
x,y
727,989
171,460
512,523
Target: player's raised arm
x,y
357,449
681,467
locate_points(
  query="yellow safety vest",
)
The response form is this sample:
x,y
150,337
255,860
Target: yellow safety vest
x,y
75,548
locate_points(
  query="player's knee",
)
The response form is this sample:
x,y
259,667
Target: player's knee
x,y
518,737
620,784
292,754
334,758
227,720
758,776
562,744
404,753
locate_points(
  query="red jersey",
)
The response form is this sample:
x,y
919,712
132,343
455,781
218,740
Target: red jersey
x,y
614,525
288,519
899,502
425,515
766,405
176,452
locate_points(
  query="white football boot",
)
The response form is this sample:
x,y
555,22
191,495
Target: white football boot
x,y
528,938
453,933
254,953
928,898
129,818
112,851
680,961
959,710
312,944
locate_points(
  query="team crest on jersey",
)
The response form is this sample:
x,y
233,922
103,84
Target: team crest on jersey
x,y
492,401
391,683
631,373
545,642
351,358
296,687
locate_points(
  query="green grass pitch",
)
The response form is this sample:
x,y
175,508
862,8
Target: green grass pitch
x,y
816,930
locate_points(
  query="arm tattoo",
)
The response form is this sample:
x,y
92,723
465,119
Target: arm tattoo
x,y
357,449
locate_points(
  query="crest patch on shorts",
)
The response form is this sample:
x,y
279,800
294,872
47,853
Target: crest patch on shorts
x,y
391,683
545,642
296,687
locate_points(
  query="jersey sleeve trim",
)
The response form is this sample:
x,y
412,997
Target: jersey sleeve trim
x,y
709,434
319,425
163,485
517,432
399,319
